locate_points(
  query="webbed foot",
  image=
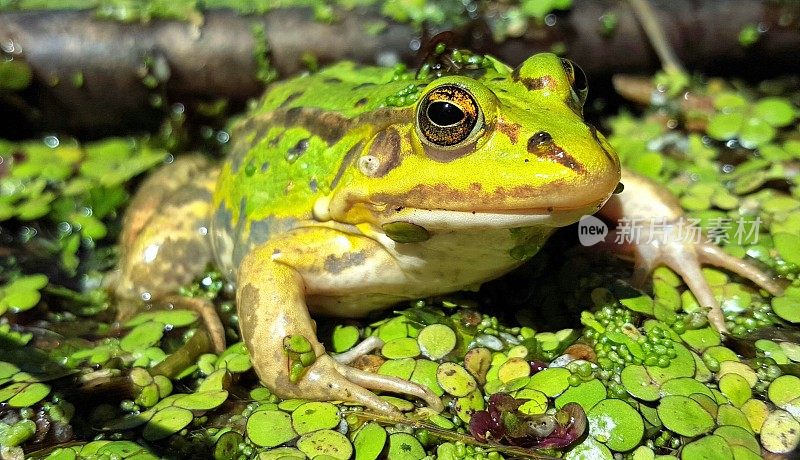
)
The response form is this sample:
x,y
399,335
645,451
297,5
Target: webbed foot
x,y
686,258
661,241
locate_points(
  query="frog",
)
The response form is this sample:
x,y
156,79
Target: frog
x,y
356,188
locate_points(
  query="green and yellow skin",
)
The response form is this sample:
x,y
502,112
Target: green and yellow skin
x,y
356,188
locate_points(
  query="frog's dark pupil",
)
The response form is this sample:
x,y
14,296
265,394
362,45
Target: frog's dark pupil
x,y
444,113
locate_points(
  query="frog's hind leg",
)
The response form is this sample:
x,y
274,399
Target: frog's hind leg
x,y
271,298
164,241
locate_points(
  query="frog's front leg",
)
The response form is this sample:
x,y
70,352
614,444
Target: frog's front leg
x,y
271,298
645,201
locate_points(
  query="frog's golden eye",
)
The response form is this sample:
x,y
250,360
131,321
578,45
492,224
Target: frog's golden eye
x,y
577,80
447,116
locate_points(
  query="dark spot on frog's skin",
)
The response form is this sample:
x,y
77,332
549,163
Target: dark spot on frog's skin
x,y
509,129
542,137
276,140
250,169
362,101
330,126
299,148
386,148
498,79
332,80
237,230
542,145
312,184
533,84
264,166
336,265
291,98
530,83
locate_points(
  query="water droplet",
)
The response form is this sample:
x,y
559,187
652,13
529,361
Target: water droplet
x,y
51,141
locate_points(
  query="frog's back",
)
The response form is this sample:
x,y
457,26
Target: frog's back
x,y
293,146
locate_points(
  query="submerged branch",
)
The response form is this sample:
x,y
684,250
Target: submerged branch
x,y
93,77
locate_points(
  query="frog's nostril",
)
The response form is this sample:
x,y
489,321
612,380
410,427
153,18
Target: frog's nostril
x,y
537,140
542,145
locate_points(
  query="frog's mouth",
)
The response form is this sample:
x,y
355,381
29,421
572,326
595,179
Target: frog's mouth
x,y
445,219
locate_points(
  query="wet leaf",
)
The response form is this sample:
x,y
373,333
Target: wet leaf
x,y
711,447
436,341
455,380
616,424
269,428
369,441
326,442
344,338
142,336
166,422
780,432
313,416
684,416
403,347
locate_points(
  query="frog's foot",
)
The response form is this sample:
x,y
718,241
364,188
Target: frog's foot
x,y
392,384
380,382
686,258
328,380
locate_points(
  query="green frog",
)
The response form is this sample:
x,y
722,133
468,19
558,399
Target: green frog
x,y
356,188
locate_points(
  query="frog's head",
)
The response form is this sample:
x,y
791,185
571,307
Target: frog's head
x,y
509,149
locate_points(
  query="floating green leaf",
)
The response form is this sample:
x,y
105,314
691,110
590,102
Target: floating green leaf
x,y
436,341
369,441
269,428
711,447
455,380
403,446
142,336
313,416
166,422
325,442
616,424
684,416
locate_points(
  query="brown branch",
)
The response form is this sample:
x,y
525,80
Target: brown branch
x,y
216,59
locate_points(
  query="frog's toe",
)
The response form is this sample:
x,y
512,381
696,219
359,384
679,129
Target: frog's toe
x,y
365,347
714,255
393,384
